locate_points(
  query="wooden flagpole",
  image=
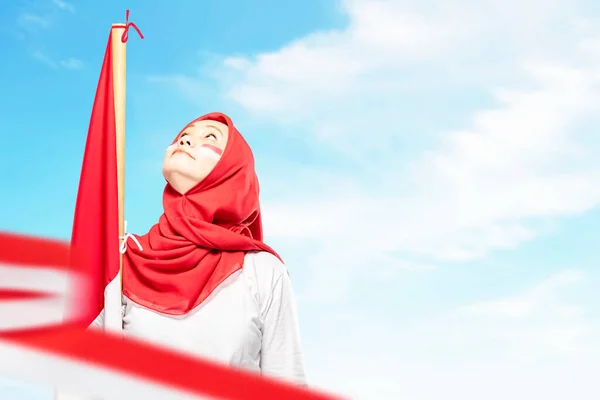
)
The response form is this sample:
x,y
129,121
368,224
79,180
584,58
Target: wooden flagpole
x,y
119,61
119,35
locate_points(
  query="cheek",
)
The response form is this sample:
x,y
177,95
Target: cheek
x,y
169,151
203,165
210,152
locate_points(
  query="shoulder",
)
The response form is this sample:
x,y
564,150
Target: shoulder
x,y
264,258
264,265
263,273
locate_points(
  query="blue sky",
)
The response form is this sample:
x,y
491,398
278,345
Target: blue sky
x,y
430,177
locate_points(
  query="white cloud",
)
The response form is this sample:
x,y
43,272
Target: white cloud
x,y
361,379
387,42
535,325
63,5
501,348
38,55
326,66
526,304
70,63
27,19
43,16
477,191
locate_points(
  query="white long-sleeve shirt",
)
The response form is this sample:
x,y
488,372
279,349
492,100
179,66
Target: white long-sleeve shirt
x,y
249,322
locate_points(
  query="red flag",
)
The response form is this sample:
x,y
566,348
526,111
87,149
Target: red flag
x,y
96,225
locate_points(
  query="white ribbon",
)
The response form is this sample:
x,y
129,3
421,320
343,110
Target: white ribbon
x,y
124,239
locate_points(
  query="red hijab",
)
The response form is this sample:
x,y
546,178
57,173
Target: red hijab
x,y
202,237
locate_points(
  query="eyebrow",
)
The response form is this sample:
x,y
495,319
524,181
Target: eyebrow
x,y
214,127
207,125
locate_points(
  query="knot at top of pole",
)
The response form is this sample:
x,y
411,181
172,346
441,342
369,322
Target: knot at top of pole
x,y
128,24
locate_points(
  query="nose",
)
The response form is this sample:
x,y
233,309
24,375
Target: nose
x,y
187,140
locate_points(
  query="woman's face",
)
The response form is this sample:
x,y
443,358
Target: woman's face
x,y
194,154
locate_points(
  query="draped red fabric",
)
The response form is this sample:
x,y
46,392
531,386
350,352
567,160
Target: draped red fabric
x,y
202,237
95,237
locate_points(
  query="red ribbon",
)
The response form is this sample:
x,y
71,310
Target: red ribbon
x,y
124,36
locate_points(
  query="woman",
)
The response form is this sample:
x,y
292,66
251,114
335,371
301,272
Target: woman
x,y
201,280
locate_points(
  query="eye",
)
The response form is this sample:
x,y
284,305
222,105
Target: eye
x,y
211,136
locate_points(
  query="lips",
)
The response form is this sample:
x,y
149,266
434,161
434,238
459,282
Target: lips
x,y
206,150
184,152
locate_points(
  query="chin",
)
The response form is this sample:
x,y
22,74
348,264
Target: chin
x,y
181,181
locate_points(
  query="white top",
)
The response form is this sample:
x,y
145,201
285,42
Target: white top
x,y
249,322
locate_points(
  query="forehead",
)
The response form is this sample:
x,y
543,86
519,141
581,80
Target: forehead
x,y
208,124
